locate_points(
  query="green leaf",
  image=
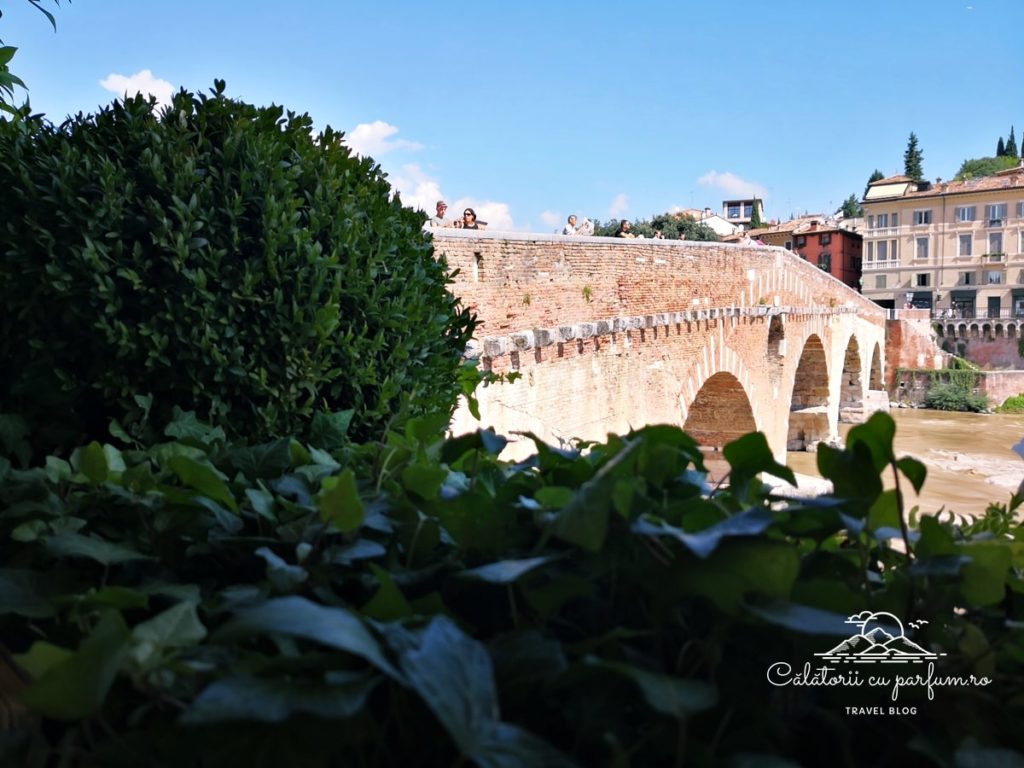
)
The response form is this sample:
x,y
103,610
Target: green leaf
x,y
185,426
388,603
915,471
506,571
339,502
482,440
298,617
30,530
204,478
26,593
329,430
284,577
91,461
742,567
275,700
876,434
177,627
749,456
41,657
103,552
669,695
984,578
423,479
266,461
703,543
553,496
584,520
77,687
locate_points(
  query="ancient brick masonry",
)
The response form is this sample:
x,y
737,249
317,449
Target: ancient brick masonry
x,y
614,334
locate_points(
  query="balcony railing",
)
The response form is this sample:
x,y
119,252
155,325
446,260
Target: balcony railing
x,y
953,315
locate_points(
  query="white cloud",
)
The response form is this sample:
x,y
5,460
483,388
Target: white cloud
x,y
731,184
141,82
374,139
619,205
551,218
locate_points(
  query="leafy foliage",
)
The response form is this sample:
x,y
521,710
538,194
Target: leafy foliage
x,y
983,166
876,175
673,226
8,80
851,207
1013,404
217,258
952,396
417,602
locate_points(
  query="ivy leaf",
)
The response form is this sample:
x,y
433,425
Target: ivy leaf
x,y
748,456
275,700
103,552
329,430
915,471
506,571
77,687
298,617
669,695
703,543
269,460
339,502
201,476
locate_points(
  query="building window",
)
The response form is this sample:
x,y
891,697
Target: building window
x,y
994,276
995,242
996,214
801,241
921,280
965,213
882,220
734,210
923,217
748,210
789,245
879,281
968,278
825,261
1021,248
826,239
922,248
965,245
871,222
895,220
869,250
1020,210
883,250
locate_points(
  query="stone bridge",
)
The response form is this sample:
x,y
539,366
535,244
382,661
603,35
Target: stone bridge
x,y
611,334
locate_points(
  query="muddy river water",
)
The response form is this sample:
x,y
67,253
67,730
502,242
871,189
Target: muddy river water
x,y
969,456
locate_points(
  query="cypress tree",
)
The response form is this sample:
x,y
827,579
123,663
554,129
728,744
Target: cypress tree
x,y
913,158
1011,145
1000,148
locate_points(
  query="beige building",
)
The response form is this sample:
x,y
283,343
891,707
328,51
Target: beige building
x,y
954,247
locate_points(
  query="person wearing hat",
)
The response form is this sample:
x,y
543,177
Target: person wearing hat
x,y
439,220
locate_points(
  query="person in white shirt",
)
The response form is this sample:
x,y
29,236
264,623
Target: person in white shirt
x,y
570,226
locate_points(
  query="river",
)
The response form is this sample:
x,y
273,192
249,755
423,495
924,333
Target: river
x,y
969,456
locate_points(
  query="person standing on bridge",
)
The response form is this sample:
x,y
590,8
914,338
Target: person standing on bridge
x,y
439,219
624,229
570,226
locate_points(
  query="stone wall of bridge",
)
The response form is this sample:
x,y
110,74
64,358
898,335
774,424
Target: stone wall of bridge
x,y
612,334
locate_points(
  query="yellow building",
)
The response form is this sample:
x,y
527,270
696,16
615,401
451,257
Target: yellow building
x,y
954,247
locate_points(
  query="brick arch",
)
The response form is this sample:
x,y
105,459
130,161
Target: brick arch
x,y
713,360
720,413
851,385
808,411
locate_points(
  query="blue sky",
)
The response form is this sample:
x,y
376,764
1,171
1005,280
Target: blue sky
x,y
533,110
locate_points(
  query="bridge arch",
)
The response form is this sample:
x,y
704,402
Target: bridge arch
x,y
851,385
875,380
808,411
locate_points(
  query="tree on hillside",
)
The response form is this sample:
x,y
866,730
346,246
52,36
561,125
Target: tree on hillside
x,y
674,226
1000,148
876,176
850,208
912,159
1011,145
983,166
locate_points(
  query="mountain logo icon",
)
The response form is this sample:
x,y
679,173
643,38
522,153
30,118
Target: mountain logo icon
x,y
881,639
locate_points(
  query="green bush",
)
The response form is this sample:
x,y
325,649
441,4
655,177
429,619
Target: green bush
x,y
951,396
419,603
1013,404
219,258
